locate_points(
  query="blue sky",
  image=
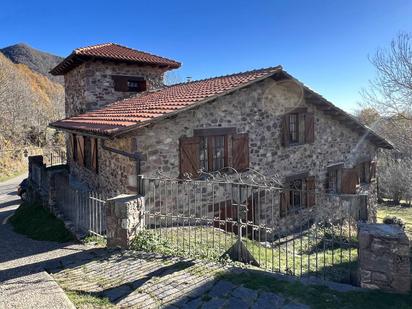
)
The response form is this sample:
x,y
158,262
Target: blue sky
x,y
325,44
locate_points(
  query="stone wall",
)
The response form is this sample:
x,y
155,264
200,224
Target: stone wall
x,y
258,110
384,258
90,85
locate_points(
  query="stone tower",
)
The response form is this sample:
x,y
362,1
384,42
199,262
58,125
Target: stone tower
x,y
97,75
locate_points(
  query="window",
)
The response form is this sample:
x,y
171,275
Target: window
x,y
129,83
213,149
333,181
204,162
296,194
84,151
136,85
216,146
293,128
298,127
300,192
364,172
342,180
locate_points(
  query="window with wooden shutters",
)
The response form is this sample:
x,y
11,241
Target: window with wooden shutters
x,y
298,127
90,153
214,149
350,180
129,83
300,192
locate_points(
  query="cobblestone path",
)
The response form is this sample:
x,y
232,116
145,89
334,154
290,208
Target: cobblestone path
x,y
141,280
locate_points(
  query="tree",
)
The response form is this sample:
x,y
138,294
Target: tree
x,y
368,116
390,93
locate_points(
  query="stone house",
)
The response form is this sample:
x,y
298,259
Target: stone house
x,y
123,121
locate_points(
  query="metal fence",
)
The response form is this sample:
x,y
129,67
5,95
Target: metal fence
x,y
245,220
54,157
85,209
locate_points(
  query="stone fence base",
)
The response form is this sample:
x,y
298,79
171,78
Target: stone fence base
x,y
384,258
124,217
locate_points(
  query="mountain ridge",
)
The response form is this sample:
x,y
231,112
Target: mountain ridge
x,y
37,60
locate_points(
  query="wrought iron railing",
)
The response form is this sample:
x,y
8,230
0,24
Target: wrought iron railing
x,y
238,216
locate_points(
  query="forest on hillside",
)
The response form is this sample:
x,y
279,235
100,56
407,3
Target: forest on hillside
x,y
29,100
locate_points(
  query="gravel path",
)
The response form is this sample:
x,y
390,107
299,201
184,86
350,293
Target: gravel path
x,y
23,281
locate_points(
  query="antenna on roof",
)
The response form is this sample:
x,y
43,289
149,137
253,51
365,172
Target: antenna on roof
x,y
188,78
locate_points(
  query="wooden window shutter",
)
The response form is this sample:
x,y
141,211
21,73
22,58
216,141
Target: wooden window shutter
x,y
240,151
350,179
285,130
93,149
142,85
284,203
80,149
310,191
309,128
372,170
189,156
120,83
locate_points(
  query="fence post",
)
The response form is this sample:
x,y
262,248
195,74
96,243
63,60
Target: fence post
x,y
124,219
384,258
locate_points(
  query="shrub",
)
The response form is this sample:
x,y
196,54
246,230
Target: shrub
x,y
147,241
394,220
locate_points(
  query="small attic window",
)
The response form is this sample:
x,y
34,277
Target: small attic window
x,y
136,85
129,83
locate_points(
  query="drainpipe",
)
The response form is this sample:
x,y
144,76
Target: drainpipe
x,y
136,156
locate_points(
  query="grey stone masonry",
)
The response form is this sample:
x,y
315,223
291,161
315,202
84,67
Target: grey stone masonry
x,y
124,217
384,258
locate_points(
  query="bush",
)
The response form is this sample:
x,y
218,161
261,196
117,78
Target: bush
x,y
394,220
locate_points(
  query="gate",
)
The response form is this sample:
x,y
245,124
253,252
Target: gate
x,y
239,218
86,210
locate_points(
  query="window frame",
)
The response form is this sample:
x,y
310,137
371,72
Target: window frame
x,y
207,155
336,169
296,127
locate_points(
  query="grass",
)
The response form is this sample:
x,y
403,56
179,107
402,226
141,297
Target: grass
x,y
405,213
315,253
88,300
38,223
95,240
5,177
317,296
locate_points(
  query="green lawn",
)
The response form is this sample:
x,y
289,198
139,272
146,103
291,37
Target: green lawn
x,y
38,223
405,213
315,253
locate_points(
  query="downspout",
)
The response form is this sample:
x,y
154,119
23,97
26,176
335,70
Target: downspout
x,y
136,156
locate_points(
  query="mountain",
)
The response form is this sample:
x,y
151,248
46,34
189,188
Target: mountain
x,y
38,61
29,100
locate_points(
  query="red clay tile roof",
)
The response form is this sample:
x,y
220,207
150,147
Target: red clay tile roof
x,y
113,52
135,111
122,116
